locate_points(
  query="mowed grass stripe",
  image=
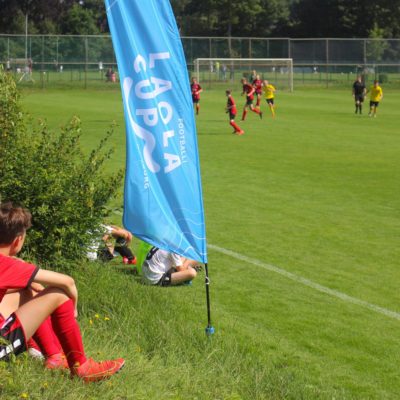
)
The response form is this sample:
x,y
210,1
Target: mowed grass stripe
x,y
306,282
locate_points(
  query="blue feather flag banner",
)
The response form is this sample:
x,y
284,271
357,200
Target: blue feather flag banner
x,y
163,202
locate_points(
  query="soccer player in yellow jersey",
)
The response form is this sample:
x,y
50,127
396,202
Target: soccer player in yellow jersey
x,y
269,91
376,97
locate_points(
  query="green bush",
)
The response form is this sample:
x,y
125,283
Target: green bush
x,y
47,172
383,78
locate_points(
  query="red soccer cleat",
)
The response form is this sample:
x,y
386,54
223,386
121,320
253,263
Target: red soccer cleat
x,y
92,371
240,133
132,261
127,261
56,361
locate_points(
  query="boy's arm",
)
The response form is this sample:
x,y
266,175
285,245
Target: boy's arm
x,y
60,281
120,232
186,263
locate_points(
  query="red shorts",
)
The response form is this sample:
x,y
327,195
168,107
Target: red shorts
x,y
13,332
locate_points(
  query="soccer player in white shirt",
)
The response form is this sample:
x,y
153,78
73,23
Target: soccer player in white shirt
x,y
165,268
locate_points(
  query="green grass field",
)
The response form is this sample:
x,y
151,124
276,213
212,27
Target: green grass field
x,y
303,228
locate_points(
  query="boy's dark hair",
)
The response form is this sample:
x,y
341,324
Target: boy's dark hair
x,y
14,221
228,91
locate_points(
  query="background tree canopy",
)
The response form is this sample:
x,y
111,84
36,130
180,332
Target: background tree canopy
x,y
256,18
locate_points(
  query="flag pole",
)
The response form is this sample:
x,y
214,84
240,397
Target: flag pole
x,y
210,328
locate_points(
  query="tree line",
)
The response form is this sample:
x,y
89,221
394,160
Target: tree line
x,y
240,18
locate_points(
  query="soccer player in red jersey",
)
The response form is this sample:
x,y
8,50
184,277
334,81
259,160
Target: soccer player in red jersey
x,y
231,109
257,84
249,91
58,300
196,90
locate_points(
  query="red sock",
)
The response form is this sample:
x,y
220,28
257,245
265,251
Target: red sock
x,y
235,126
68,333
244,114
256,111
258,101
197,108
46,339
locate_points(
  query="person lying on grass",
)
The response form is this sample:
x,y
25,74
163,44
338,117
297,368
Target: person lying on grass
x,y
58,300
164,268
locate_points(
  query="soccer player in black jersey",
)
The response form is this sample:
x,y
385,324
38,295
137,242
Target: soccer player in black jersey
x,y
359,91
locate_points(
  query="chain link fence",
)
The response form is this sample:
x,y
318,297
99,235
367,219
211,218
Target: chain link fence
x,y
49,60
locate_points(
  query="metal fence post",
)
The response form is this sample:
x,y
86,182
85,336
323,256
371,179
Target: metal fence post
x,y
327,62
43,71
86,60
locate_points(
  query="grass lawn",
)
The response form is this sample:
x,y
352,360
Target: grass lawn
x,y
303,227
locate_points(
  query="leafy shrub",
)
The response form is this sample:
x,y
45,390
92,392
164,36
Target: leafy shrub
x,y
65,191
383,78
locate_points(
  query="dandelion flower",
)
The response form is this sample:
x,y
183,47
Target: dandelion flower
x,y
90,321
24,396
106,319
96,316
45,384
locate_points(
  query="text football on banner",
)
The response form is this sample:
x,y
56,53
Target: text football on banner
x,y
163,202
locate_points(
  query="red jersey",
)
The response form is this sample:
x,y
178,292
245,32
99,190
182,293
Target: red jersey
x,y
195,87
231,105
15,274
247,88
257,83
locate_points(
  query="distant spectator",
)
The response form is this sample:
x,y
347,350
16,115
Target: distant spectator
x,y
224,68
109,74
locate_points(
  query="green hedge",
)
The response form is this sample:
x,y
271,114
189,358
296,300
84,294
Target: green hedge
x,y
65,190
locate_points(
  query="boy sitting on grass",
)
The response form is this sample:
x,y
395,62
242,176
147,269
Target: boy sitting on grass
x,y
164,268
58,300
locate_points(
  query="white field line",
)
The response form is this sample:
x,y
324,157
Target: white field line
x,y
306,282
